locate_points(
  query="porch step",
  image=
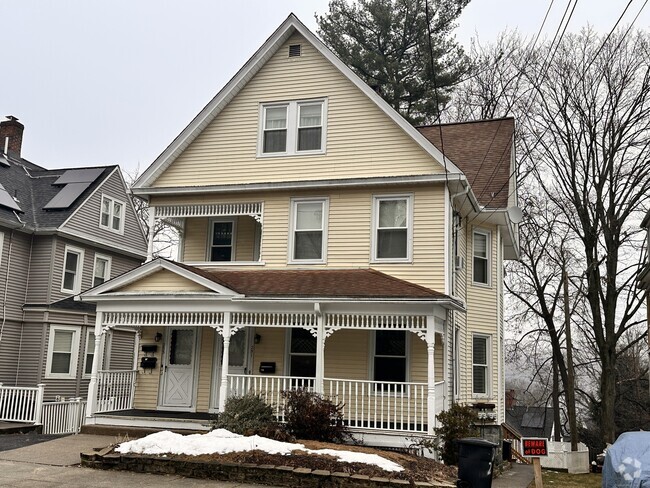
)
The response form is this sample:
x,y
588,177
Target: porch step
x,y
18,428
124,432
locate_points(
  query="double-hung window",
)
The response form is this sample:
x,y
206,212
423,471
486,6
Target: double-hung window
x,y
308,239
480,365
293,128
112,214
392,228
72,266
102,269
90,353
62,352
481,257
222,240
389,358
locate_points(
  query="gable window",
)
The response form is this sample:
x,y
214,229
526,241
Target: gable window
x,y
481,257
102,269
90,353
62,353
480,367
292,128
72,266
308,237
112,214
392,228
222,240
389,357
302,354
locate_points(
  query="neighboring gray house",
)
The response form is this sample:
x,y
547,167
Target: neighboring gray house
x,y
62,232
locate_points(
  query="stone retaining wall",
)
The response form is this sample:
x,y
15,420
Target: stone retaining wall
x,y
242,473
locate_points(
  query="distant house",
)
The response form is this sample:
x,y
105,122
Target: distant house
x,y
326,244
62,232
531,421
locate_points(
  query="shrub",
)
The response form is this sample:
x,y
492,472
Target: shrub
x,y
310,416
455,423
247,415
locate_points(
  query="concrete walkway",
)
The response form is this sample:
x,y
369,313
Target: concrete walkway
x,y
519,476
58,452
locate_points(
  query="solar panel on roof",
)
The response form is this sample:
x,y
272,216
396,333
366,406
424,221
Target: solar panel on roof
x,y
79,176
7,200
66,197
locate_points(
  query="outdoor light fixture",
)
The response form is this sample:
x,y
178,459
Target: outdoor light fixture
x,y
157,337
257,339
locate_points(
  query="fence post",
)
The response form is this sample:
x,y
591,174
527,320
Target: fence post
x,y
38,408
78,415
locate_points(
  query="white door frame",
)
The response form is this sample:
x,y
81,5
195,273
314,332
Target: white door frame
x,y
195,370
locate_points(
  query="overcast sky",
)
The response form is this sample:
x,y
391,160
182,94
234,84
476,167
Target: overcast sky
x,y
114,81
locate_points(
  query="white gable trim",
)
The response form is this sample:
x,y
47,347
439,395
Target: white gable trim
x,y
148,269
241,78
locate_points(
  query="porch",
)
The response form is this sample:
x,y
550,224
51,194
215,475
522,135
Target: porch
x,y
368,406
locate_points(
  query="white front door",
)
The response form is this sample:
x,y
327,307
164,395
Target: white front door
x,y
179,368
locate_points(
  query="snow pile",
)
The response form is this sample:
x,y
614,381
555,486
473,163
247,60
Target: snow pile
x,y
221,441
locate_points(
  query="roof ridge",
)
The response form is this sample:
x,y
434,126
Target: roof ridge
x,y
476,121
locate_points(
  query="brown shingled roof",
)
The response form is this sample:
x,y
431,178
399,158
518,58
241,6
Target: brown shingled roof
x,y
482,150
321,283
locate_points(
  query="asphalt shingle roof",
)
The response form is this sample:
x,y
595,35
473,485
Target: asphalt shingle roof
x,y
33,187
482,150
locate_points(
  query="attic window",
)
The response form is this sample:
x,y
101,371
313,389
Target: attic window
x,y
294,50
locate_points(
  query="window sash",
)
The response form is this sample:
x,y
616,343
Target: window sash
x,y
480,365
71,270
308,230
390,365
101,271
90,353
392,231
62,351
222,245
112,214
302,353
292,128
481,259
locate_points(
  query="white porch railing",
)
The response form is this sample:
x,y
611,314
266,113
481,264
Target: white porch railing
x,y
115,390
366,404
269,387
21,404
64,417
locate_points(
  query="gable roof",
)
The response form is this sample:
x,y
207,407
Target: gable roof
x,y
483,151
33,187
531,421
290,26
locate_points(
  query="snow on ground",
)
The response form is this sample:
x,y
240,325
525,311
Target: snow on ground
x,y
221,441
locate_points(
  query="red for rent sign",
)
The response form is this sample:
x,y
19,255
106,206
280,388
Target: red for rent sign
x,y
534,447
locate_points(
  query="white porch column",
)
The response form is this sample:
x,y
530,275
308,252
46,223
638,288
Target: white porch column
x,y
91,406
319,386
431,374
152,222
223,389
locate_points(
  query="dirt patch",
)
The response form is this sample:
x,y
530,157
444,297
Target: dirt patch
x,y
416,468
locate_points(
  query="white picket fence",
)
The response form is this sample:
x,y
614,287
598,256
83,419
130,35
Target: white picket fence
x,y
21,404
63,417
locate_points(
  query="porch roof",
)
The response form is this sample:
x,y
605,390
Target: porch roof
x,y
321,283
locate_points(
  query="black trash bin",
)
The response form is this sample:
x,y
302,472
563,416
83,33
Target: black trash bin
x,y
507,450
475,460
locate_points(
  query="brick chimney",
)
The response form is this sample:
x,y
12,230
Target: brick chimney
x,y
11,136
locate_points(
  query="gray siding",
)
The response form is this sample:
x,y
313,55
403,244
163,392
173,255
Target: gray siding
x,y
40,274
9,347
86,219
32,352
122,344
13,273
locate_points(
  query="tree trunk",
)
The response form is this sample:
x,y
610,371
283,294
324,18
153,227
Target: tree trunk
x,y
557,421
608,397
570,387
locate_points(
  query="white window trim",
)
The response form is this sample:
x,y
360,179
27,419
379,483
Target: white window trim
x,y
371,358
288,353
233,253
2,245
292,229
74,353
90,330
292,128
488,245
78,275
375,225
488,358
109,261
109,227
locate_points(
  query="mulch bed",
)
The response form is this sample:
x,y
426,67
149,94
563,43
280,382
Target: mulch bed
x,y
416,468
